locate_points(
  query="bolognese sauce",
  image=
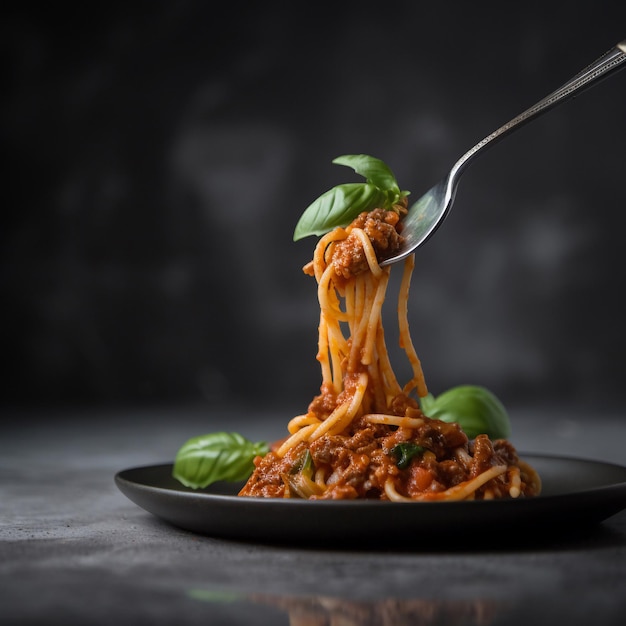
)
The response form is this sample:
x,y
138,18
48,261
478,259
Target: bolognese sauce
x,y
364,436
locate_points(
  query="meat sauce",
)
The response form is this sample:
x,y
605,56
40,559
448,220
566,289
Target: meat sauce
x,y
421,458
383,228
357,464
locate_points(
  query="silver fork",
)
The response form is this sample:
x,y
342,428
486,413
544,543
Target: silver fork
x,y
427,214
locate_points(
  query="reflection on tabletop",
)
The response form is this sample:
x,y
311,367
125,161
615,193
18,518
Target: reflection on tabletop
x,y
333,611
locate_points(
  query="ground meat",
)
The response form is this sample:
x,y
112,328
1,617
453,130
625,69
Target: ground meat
x,y
441,437
405,405
358,463
381,227
324,403
482,455
505,451
450,473
266,480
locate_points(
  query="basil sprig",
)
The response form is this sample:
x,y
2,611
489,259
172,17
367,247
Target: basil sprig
x,y
343,203
206,459
476,409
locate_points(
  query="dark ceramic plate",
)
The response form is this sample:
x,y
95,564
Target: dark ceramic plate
x,y
575,494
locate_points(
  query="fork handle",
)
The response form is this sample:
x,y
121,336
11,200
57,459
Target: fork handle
x,y
609,62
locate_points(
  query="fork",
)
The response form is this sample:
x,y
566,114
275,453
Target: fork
x,y
428,213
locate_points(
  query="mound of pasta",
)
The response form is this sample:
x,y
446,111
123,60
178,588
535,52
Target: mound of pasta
x,y
365,435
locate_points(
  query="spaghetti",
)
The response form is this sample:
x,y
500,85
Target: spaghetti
x,y
364,435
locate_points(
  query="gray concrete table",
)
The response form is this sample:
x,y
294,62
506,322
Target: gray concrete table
x,y
74,550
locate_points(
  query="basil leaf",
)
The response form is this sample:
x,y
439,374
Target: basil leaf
x,y
206,459
341,204
338,207
476,409
405,451
304,465
372,169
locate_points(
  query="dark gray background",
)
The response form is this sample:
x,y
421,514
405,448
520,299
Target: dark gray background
x,y
159,154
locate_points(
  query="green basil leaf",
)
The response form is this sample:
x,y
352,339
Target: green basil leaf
x,y
427,404
341,204
405,451
372,169
304,465
338,207
206,459
476,409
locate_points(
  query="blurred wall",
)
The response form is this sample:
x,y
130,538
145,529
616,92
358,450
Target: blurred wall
x,y
159,154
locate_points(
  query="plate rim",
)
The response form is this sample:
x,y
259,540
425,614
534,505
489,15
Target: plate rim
x,y
185,492
359,524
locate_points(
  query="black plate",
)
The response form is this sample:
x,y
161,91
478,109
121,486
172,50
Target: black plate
x,y
575,494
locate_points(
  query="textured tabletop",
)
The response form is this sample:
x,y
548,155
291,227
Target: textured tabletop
x,y
74,550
